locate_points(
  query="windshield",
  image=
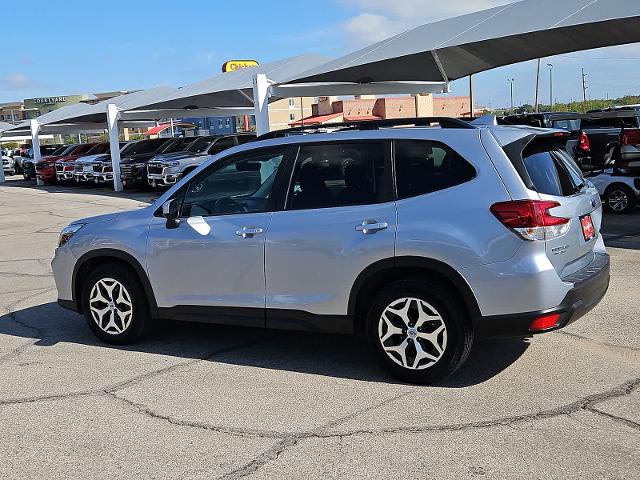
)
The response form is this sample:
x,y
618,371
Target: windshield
x,y
201,145
144,146
178,145
99,148
67,150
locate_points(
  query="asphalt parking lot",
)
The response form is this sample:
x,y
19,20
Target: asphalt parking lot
x,y
211,402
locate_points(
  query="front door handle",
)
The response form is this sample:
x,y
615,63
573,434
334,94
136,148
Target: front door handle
x,y
371,226
249,232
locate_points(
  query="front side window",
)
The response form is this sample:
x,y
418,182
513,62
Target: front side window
x,y
335,175
242,185
425,167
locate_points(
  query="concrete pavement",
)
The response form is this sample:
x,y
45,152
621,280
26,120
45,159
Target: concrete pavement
x,y
197,401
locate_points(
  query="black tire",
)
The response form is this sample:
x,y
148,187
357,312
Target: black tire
x,y
458,330
614,194
140,320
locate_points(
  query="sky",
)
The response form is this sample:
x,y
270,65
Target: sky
x,y
92,46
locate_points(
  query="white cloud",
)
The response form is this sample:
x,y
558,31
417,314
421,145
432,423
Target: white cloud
x,y
16,81
380,19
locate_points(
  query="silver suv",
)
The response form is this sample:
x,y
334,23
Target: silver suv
x,y
420,238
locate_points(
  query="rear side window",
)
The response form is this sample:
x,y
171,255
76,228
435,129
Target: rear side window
x,y
221,145
552,171
424,167
340,174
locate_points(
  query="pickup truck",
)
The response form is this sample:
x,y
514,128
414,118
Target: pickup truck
x,y
65,167
46,167
133,165
26,159
596,137
166,169
96,168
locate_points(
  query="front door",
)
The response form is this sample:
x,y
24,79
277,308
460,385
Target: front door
x,y
339,218
212,264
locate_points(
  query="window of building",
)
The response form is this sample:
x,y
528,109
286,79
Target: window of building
x,y
220,123
1,117
424,167
292,103
292,116
335,175
228,122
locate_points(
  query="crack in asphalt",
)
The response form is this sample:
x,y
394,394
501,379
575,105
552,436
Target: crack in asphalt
x,y
598,342
111,389
616,418
292,440
586,404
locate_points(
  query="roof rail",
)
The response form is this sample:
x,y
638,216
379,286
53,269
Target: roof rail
x,y
445,122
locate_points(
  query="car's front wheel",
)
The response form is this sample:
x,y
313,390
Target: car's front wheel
x,y
419,331
115,305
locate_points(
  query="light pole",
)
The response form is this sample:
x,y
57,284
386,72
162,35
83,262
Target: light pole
x,y
511,82
550,65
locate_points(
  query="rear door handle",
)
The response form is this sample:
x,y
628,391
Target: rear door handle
x,y
249,232
371,226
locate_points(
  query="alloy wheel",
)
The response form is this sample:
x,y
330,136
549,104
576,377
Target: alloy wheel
x,y
412,333
618,200
110,305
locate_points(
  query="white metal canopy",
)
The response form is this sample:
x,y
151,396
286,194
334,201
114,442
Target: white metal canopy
x,y
457,47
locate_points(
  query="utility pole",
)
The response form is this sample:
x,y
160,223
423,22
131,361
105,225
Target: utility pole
x,y
511,82
550,65
584,86
471,102
537,108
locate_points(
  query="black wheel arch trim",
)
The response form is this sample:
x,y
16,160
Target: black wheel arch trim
x,y
126,258
422,263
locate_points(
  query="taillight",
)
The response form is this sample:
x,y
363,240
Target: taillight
x,y
584,143
545,322
531,219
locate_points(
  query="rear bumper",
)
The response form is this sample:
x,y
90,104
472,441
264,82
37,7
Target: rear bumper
x,y
589,287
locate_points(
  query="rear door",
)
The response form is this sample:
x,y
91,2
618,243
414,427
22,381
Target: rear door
x,y
339,218
557,178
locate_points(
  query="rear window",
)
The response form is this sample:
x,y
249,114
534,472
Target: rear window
x,y
552,171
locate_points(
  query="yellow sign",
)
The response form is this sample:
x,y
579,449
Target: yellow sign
x,y
233,65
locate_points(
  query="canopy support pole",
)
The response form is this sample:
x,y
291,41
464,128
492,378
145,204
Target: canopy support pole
x,y
436,58
2,169
114,142
261,94
35,144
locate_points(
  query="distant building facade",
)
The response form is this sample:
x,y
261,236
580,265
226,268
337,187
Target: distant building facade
x,y
330,110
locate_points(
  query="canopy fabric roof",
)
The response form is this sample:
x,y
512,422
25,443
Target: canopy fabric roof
x,y
5,126
460,46
235,89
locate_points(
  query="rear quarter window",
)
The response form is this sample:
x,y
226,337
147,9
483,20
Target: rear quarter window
x,y
426,166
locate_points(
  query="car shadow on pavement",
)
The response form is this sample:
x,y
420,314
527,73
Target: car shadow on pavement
x,y
339,356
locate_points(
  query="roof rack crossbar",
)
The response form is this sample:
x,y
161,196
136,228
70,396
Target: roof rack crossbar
x,y
445,122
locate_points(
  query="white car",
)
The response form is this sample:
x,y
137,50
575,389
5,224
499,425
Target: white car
x,y
8,165
620,190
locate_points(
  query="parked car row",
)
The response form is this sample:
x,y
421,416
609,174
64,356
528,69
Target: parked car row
x,y
146,163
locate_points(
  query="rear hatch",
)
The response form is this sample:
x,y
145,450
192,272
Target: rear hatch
x,y
557,178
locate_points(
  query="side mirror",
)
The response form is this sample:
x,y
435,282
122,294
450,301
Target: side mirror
x,y
171,211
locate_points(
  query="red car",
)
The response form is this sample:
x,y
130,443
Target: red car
x,y
46,167
65,166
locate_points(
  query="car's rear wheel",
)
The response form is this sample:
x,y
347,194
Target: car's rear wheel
x,y
418,331
115,305
620,199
